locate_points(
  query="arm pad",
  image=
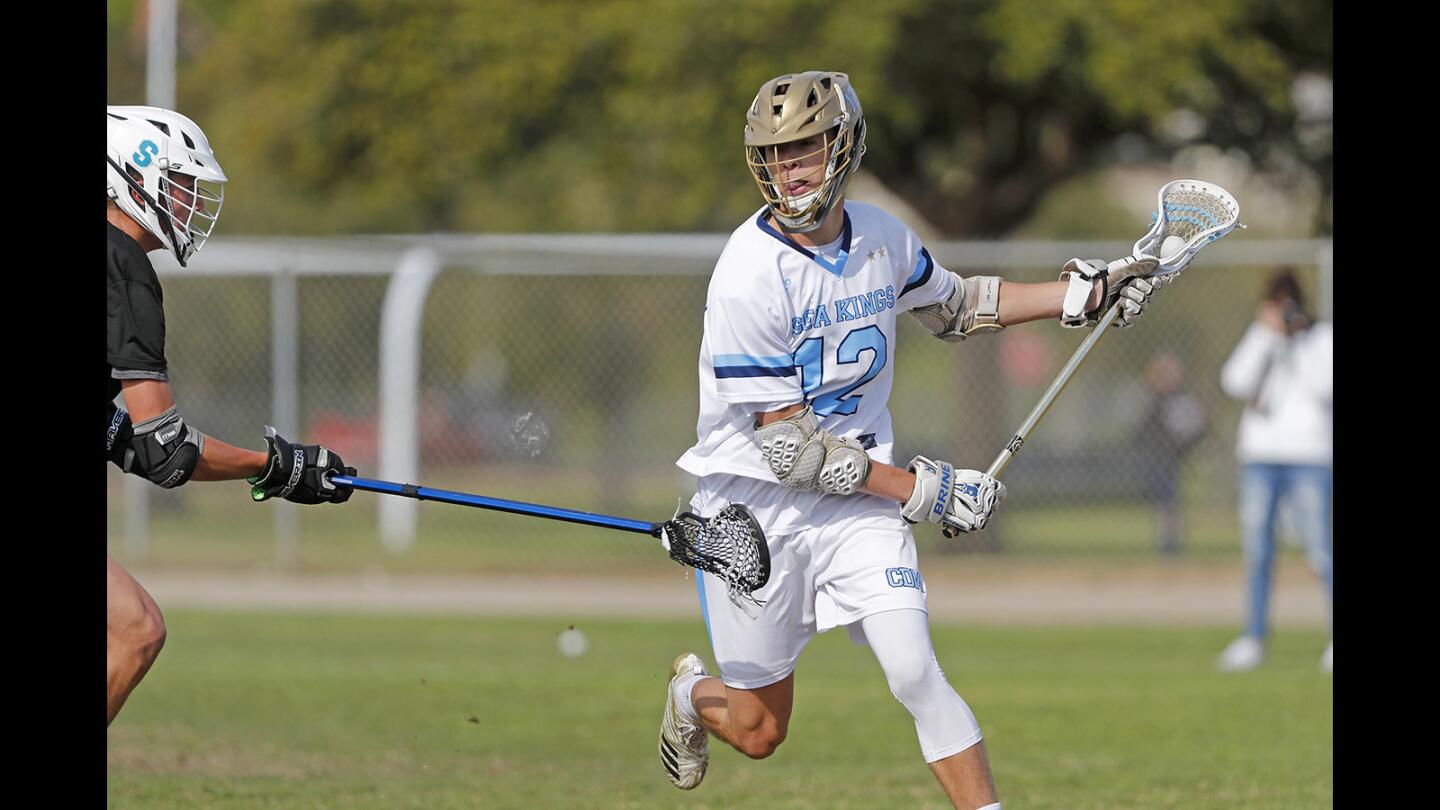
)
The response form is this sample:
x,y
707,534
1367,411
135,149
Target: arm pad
x,y
973,306
118,433
805,457
164,449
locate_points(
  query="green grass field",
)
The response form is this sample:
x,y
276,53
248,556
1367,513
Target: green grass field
x,y
330,711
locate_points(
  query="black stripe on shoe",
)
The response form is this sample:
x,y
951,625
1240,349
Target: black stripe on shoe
x,y
670,768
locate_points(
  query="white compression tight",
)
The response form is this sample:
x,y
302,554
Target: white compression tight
x,y
900,640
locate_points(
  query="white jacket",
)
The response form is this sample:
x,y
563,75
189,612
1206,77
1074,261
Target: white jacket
x,y
1291,420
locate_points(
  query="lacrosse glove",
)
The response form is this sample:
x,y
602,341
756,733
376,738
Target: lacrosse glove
x,y
299,473
960,501
1126,284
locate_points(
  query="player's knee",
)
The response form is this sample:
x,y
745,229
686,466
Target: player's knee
x,y
145,634
910,681
151,634
761,742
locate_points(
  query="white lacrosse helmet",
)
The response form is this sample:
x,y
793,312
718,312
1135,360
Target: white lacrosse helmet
x,y
163,174
820,104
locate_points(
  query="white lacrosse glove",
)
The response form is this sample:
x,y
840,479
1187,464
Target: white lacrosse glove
x,y
959,500
1123,280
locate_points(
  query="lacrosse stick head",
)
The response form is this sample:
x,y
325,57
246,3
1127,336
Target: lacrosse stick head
x,y
729,545
1197,213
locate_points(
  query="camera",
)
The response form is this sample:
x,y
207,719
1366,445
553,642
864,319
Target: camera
x,y
1295,318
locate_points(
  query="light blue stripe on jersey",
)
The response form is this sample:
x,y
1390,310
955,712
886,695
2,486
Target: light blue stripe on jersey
x,y
837,267
704,607
769,361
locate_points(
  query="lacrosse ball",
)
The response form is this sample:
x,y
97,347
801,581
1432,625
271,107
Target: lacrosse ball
x,y
1171,246
573,643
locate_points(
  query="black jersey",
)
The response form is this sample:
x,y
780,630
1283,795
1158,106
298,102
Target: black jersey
x,y
135,314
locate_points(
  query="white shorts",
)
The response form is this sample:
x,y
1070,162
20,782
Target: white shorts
x,y
861,563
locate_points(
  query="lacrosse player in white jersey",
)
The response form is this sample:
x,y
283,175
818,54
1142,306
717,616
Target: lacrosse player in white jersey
x,y
795,371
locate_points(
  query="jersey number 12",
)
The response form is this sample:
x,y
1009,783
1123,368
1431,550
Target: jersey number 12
x,y
810,359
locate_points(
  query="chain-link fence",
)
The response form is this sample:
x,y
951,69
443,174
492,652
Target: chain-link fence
x,y
565,373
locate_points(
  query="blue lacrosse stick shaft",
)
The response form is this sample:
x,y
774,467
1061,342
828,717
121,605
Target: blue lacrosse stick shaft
x,y
498,504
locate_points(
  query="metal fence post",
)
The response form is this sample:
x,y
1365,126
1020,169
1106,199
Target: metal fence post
x,y
285,401
399,451
160,53
159,92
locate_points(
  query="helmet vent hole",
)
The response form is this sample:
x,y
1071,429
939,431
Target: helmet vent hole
x,y
116,117
162,126
825,82
776,109
186,136
809,102
781,88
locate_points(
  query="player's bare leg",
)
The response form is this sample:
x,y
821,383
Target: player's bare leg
x,y
134,634
965,778
753,721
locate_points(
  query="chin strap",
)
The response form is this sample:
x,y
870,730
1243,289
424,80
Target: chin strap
x,y
160,214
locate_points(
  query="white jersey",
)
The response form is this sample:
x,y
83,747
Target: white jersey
x,y
1289,384
783,326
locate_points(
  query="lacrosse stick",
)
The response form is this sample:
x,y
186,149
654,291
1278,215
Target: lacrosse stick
x,y
729,545
1192,210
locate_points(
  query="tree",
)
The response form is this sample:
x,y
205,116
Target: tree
x,y
625,115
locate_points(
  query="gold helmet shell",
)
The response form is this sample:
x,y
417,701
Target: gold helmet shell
x,y
796,106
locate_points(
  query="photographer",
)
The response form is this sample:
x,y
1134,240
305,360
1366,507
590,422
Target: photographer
x,y
1283,370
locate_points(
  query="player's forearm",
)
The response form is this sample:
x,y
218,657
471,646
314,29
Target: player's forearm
x,y
226,462
1021,303
219,461
885,480
889,481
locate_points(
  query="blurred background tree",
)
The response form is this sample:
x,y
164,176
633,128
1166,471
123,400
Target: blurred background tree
x,y
345,116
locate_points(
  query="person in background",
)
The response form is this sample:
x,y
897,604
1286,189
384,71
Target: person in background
x,y
1173,423
1283,369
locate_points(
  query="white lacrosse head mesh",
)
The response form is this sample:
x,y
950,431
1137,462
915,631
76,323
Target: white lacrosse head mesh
x,y
163,174
1193,210
729,545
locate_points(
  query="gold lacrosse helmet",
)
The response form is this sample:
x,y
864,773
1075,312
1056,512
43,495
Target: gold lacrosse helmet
x,y
815,104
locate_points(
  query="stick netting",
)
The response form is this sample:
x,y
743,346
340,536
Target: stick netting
x,y
729,545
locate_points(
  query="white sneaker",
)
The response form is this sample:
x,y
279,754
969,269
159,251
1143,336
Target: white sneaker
x,y
684,745
1244,653
1327,661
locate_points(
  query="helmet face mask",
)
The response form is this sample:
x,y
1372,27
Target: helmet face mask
x,y
193,205
163,174
818,106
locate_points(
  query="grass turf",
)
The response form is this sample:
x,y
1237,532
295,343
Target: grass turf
x,y
326,711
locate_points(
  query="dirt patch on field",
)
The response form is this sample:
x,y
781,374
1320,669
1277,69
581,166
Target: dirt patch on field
x,y
984,593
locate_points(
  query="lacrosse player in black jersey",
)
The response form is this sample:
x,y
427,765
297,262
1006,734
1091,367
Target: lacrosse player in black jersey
x,y
165,188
